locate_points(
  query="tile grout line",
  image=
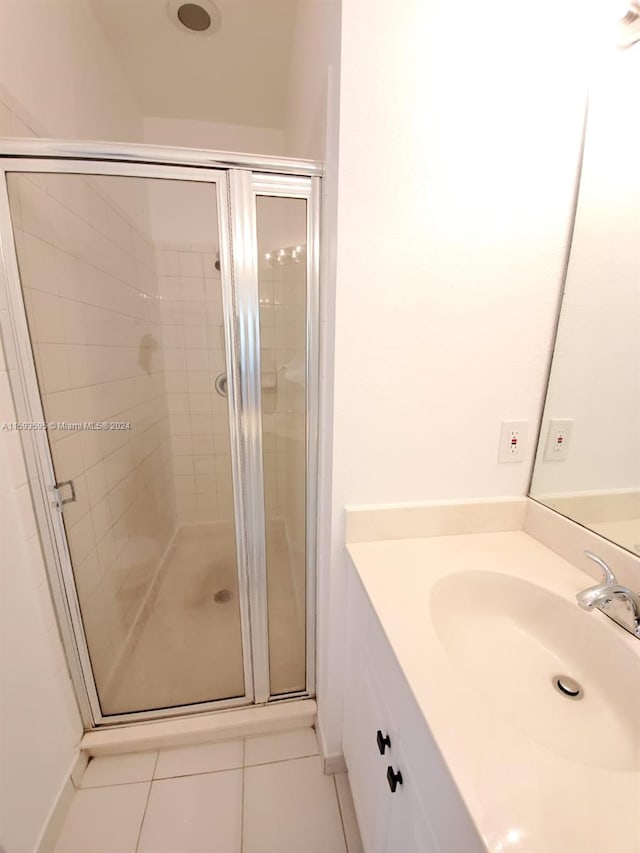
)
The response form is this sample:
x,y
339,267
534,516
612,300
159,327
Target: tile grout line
x,y
113,784
342,820
146,802
197,773
201,772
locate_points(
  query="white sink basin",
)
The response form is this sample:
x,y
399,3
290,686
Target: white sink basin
x,y
509,639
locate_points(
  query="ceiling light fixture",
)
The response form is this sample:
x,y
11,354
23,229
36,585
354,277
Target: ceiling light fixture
x,y
629,23
199,18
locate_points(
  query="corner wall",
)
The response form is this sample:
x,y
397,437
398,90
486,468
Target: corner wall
x,y
57,65
40,727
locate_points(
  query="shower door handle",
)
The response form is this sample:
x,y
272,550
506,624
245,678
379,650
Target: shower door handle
x,y
58,499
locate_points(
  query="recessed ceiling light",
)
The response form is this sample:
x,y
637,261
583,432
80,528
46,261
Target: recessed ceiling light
x,y
200,18
194,17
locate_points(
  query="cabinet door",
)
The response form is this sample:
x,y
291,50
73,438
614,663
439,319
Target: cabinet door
x,y
363,716
408,829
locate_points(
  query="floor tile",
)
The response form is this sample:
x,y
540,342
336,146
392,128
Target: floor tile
x,y
291,806
104,820
118,769
201,758
348,812
194,814
280,746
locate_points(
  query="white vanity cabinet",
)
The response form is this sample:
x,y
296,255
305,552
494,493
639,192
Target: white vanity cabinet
x,y
385,739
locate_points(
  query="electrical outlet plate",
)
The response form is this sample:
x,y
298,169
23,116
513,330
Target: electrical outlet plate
x,y
513,440
558,440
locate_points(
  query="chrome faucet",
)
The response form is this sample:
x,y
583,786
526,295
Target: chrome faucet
x,y
609,591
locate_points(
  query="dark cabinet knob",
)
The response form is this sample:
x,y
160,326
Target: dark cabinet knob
x,y
383,742
394,779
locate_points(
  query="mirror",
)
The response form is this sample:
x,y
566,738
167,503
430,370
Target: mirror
x,y
587,463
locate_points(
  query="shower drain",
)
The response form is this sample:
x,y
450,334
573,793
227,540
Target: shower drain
x,y
568,686
222,596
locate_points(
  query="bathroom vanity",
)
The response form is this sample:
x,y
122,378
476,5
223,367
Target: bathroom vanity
x,y
459,732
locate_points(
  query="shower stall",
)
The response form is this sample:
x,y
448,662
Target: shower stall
x,y
160,312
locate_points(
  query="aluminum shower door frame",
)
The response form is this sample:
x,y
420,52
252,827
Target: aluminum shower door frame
x,y
245,189
245,177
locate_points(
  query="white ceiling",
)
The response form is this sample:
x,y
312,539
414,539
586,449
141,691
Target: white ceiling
x,y
237,75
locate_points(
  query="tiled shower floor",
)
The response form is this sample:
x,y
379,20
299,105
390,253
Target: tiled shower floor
x,y
187,646
257,795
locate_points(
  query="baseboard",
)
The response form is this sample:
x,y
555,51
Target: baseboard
x,y
77,771
334,764
57,815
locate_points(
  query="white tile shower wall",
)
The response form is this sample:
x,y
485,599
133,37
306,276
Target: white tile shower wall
x,y
88,272
193,341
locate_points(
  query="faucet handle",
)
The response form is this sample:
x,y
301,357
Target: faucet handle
x,y
608,576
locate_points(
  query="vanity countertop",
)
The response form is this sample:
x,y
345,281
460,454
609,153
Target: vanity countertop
x,y
539,772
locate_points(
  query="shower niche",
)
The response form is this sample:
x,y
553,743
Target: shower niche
x,y
162,322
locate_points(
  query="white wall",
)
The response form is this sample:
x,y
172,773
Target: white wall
x,y
595,378
216,136
314,61
56,63
460,127
40,727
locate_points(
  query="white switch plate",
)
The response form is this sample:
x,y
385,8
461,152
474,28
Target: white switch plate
x,y
513,440
558,440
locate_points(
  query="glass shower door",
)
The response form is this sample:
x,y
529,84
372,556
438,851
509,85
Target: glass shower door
x,y
282,292
127,298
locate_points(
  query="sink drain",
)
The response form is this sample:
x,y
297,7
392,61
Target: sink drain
x,y
222,596
568,686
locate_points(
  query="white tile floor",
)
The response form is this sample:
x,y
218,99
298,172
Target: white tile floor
x,y
258,795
